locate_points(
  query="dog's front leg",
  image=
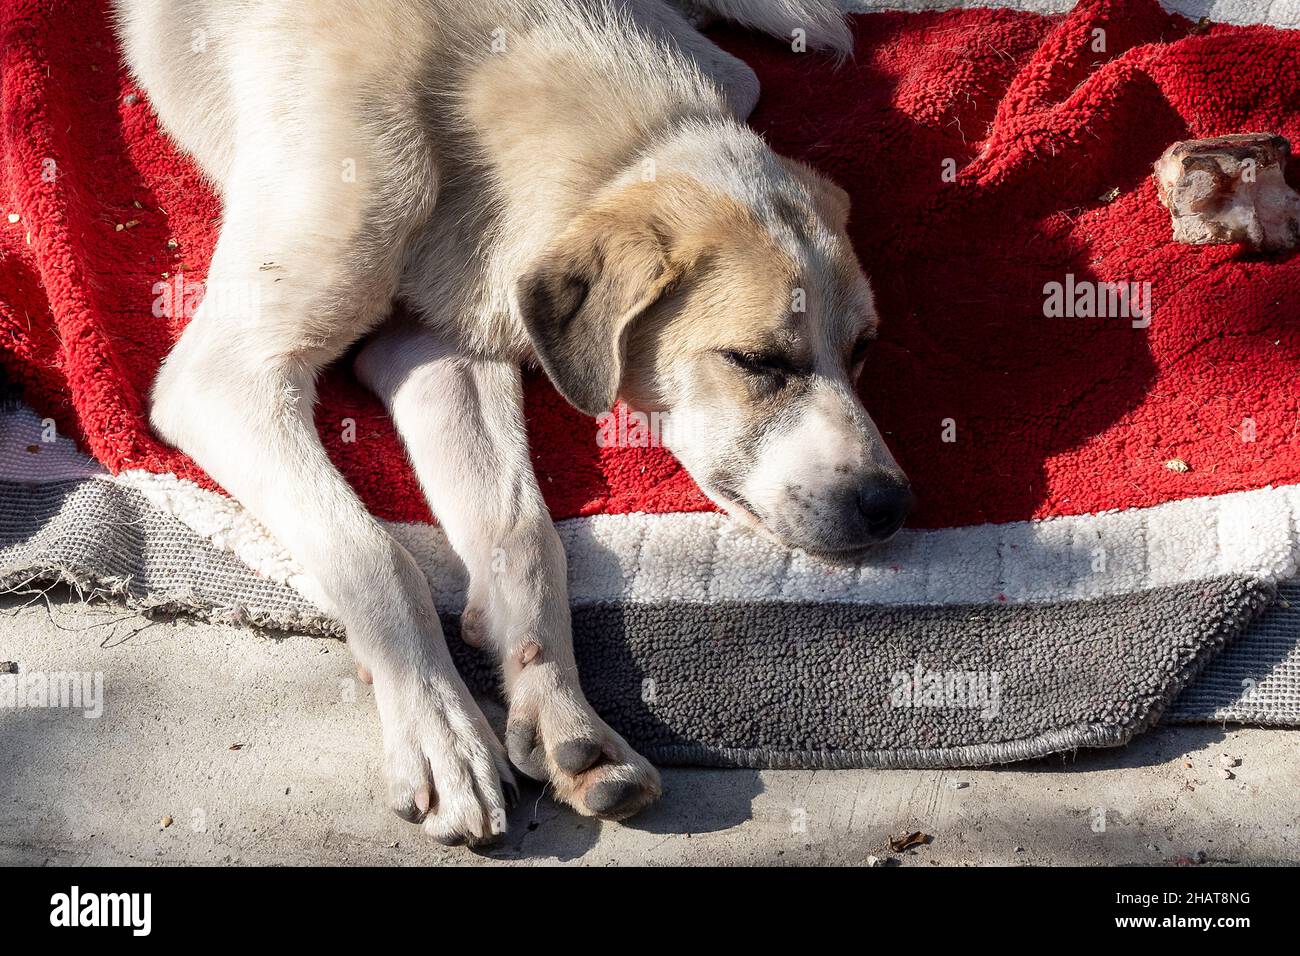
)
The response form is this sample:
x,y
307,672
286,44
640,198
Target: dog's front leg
x,y
462,422
249,424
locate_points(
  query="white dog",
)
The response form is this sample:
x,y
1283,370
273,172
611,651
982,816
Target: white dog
x,y
564,181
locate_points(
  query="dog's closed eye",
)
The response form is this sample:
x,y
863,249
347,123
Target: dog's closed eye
x,y
769,365
859,350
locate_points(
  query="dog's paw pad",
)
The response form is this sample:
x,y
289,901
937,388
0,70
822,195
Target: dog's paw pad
x,y
556,738
575,756
614,799
525,750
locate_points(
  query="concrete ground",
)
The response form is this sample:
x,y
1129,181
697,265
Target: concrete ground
x,y
222,745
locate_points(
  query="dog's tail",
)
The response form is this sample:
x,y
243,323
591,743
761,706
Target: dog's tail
x,y
821,21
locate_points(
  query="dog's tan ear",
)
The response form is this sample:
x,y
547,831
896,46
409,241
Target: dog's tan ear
x,y
581,297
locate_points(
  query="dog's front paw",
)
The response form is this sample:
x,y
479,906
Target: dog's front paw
x,y
445,767
553,735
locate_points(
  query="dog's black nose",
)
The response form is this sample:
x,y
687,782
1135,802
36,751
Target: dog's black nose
x,y
884,504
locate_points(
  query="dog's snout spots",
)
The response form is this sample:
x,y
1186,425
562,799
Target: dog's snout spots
x,y
801,499
846,515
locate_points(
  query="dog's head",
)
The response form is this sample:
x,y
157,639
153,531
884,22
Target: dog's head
x,y
743,321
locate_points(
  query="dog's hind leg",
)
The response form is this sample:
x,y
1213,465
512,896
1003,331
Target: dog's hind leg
x,y
462,421
821,21
738,81
307,260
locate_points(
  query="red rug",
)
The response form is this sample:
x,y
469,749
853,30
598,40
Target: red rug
x,y
1052,143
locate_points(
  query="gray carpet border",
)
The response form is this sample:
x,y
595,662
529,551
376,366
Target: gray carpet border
x,y
109,540
1256,680
748,679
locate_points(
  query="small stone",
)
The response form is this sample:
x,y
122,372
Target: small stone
x,y
164,823
1226,774
172,243
8,667
1228,761
875,861
960,784
1230,189
1178,465
14,217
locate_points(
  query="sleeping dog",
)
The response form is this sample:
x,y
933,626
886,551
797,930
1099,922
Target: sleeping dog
x,y
565,182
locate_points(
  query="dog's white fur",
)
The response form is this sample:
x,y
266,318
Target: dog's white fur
x,y
433,152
